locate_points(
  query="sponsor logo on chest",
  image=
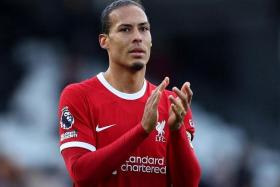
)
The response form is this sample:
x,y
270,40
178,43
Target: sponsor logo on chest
x,y
145,164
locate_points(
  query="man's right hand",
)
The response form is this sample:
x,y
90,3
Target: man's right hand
x,y
150,116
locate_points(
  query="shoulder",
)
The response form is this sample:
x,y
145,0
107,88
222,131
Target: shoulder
x,y
75,96
80,89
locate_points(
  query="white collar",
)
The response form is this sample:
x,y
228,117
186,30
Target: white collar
x,y
122,95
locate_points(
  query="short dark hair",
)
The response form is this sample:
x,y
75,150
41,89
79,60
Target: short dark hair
x,y
105,20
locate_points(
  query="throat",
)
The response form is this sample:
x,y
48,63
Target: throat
x,y
131,87
125,82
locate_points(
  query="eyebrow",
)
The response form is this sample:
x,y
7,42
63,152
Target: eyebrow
x,y
129,25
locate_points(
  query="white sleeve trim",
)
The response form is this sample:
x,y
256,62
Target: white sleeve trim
x,y
77,144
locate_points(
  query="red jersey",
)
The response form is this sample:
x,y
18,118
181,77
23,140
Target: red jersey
x,y
104,144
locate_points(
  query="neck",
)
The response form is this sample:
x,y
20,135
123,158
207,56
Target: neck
x,y
124,80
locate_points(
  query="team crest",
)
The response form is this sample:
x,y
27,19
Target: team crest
x,y
160,130
66,120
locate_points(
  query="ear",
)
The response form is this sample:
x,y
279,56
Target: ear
x,y
103,41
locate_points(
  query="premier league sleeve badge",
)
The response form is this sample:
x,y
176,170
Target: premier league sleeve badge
x,y
67,119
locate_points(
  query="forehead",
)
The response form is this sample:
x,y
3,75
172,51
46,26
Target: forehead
x,y
130,14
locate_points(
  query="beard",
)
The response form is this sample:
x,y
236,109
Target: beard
x,y
137,66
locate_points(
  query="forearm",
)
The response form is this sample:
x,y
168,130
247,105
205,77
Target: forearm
x,y
183,164
92,167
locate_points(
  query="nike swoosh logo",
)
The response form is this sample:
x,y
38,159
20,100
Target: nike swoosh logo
x,y
99,129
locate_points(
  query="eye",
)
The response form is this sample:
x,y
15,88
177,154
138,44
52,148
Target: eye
x,y
126,29
144,28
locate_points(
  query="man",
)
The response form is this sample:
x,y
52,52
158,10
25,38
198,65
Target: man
x,y
117,129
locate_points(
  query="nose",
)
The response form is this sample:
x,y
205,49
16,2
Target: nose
x,y
137,37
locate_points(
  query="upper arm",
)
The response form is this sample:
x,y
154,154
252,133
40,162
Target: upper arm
x,y
74,121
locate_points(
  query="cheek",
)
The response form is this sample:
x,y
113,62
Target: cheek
x,y
148,53
118,48
149,37
148,41
120,45
149,47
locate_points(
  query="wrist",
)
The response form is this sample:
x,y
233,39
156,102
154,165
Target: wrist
x,y
176,127
146,129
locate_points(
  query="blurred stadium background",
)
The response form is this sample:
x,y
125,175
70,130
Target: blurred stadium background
x,y
227,49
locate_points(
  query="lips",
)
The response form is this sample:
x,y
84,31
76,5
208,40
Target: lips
x,y
137,50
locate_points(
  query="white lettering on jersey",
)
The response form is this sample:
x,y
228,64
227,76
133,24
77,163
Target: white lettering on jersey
x,y
70,134
145,164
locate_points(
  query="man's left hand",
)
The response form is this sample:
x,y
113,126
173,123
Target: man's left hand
x,y
179,106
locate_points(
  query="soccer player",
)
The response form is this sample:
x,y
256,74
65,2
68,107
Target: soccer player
x,y
117,129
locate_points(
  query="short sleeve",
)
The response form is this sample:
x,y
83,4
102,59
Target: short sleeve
x,y
74,120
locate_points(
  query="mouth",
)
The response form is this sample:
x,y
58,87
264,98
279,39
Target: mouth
x,y
138,51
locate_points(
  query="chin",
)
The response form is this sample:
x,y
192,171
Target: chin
x,y
137,66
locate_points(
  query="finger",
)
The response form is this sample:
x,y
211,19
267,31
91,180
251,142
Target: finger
x,y
186,88
178,105
163,84
152,96
156,100
182,96
159,88
156,93
177,113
